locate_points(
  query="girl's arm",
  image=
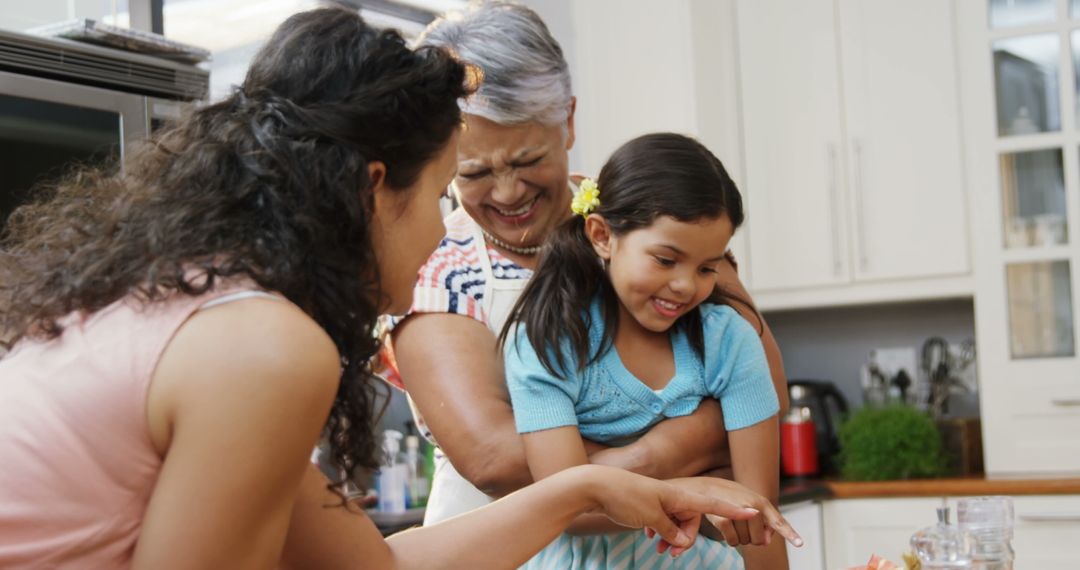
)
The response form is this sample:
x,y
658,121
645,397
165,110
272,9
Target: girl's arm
x,y
737,364
459,386
503,534
553,450
676,447
755,458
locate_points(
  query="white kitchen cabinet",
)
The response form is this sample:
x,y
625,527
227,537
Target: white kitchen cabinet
x,y
852,148
640,66
805,518
857,528
792,128
1046,529
1047,532
1022,147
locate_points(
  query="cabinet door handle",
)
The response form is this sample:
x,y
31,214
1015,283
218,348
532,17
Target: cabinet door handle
x,y
830,151
1066,402
1051,517
860,224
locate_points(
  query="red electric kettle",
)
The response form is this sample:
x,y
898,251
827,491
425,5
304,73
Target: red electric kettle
x,y
826,408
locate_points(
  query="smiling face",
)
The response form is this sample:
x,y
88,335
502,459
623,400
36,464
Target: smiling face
x,y
408,226
512,180
662,271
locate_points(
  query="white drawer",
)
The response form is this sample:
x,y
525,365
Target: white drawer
x,y
1047,531
1033,442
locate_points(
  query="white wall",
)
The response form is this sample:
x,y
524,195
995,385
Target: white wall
x,y
21,15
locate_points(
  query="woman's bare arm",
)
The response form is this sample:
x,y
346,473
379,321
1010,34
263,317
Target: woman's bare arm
x,y
454,374
728,280
502,535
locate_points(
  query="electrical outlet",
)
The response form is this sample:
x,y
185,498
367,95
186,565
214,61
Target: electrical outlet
x,y
893,360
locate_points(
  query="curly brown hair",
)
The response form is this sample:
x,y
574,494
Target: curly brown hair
x,y
270,184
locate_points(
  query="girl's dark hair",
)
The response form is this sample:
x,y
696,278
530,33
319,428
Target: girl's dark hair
x,y
270,184
654,175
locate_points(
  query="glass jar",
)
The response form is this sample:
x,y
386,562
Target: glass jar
x,y
943,546
990,521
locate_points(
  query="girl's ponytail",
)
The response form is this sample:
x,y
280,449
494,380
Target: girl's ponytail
x,y
555,303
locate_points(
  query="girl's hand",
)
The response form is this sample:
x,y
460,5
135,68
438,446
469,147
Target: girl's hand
x,y
757,530
689,522
669,510
737,533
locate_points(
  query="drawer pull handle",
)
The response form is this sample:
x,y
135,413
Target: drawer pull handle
x,y
860,214
1051,517
1066,402
834,210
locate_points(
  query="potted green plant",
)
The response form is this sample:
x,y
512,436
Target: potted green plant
x,y
890,442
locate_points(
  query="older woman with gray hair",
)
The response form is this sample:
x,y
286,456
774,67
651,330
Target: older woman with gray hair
x,y
514,186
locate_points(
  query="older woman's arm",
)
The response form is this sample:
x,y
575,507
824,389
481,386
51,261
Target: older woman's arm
x,y
454,373
728,280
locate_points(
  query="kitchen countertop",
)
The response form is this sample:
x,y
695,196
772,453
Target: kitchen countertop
x,y
389,523
953,487
799,490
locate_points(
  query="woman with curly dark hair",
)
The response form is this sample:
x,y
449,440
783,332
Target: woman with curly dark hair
x,y
181,331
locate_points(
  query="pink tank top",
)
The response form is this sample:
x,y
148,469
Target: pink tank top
x,y
77,466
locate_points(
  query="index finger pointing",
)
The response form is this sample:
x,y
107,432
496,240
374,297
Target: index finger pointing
x,y
707,504
780,525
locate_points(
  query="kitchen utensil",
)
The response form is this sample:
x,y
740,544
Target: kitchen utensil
x,y
941,368
902,382
827,408
875,384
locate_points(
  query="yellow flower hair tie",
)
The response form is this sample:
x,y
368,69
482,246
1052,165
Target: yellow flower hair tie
x,y
586,199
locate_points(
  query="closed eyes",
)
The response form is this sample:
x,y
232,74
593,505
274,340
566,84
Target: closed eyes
x,y
482,173
664,261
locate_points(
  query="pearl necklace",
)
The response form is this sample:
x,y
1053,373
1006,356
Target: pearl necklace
x,y
531,250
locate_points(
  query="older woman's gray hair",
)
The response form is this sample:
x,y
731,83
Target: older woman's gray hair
x,y
526,77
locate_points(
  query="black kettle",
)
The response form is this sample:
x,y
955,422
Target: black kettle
x,y
828,408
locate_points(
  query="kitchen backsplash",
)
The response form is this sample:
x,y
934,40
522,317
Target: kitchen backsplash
x,y
833,344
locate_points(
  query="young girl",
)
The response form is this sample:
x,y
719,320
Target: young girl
x,y
623,326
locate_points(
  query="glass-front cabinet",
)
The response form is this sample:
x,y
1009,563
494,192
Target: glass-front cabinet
x,y
1020,83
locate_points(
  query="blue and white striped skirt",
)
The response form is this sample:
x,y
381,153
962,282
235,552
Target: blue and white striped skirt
x,y
631,550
